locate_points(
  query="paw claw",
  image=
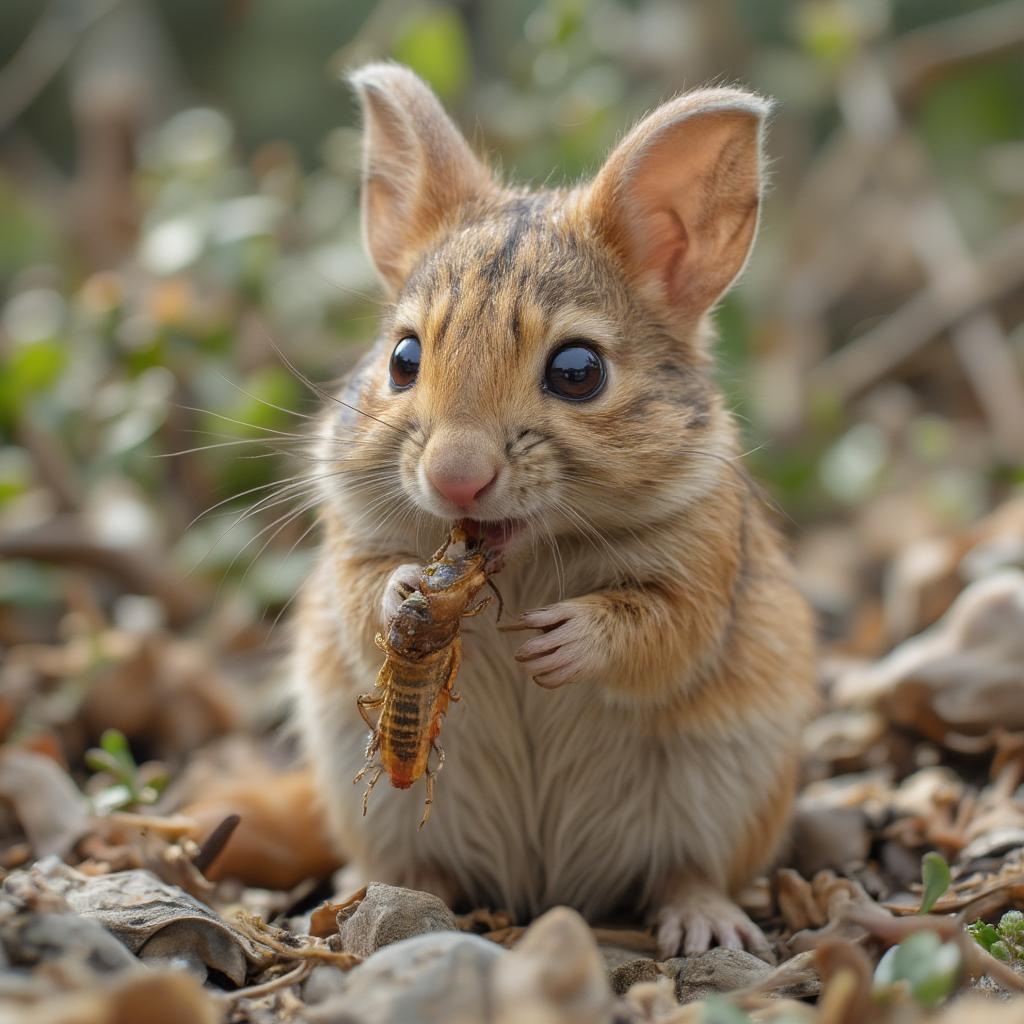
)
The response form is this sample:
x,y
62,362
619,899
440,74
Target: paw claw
x,y
401,583
698,918
561,653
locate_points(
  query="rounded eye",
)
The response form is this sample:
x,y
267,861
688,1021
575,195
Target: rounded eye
x,y
575,372
405,363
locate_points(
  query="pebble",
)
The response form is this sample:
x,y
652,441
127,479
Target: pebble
x,y
389,914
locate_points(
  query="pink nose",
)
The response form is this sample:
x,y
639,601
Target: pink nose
x,y
462,490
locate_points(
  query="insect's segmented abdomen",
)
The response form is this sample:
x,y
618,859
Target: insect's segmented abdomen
x,y
414,698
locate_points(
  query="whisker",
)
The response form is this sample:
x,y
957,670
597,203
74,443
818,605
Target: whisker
x,y
284,608
242,494
263,401
288,519
326,394
241,423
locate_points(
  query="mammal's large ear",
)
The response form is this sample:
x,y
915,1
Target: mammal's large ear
x,y
417,168
678,198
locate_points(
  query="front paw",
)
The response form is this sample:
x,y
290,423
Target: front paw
x,y
401,583
568,649
699,918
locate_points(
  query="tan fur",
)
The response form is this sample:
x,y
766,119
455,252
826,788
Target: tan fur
x,y
669,754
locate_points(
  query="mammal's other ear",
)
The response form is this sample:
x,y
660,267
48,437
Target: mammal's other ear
x,y
678,198
417,168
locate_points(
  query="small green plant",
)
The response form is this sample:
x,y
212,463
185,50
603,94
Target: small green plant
x,y
922,966
935,880
1004,940
127,784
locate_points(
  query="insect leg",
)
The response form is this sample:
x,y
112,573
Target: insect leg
x,y
368,701
453,671
478,608
440,756
378,770
501,602
429,800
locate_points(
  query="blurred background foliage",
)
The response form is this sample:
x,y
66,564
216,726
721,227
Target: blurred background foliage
x,y
179,220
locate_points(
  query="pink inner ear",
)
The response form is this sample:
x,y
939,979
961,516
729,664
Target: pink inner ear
x,y
674,244
662,243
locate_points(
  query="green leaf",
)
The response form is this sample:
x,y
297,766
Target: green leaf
x,y
984,934
1000,950
924,965
100,761
35,366
936,878
435,44
721,1011
114,744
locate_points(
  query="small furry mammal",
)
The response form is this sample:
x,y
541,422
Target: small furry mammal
x,y
545,370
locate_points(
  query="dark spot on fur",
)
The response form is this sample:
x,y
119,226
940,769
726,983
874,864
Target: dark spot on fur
x,y
688,388
502,261
516,325
446,322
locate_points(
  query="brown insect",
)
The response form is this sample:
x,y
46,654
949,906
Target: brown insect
x,y
422,651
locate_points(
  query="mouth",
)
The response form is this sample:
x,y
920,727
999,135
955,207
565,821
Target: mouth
x,y
495,535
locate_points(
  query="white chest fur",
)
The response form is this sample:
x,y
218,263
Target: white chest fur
x,y
546,797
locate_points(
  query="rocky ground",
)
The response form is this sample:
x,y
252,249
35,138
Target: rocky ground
x,y
133,892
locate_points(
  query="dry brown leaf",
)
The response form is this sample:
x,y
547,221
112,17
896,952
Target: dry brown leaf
x,y
839,899
281,838
156,920
964,675
797,903
323,922
51,811
846,973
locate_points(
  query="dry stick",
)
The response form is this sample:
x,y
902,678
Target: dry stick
x,y
893,930
292,977
869,110
213,845
51,462
923,57
64,540
948,299
50,42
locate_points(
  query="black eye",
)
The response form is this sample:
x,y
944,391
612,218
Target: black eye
x,y
574,372
405,363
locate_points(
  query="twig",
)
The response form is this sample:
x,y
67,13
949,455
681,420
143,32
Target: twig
x,y
51,463
292,977
213,845
870,111
944,302
63,540
923,57
44,51
893,930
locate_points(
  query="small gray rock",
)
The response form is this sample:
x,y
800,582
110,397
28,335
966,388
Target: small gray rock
x,y
616,956
717,970
628,974
323,983
389,914
428,978
29,939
